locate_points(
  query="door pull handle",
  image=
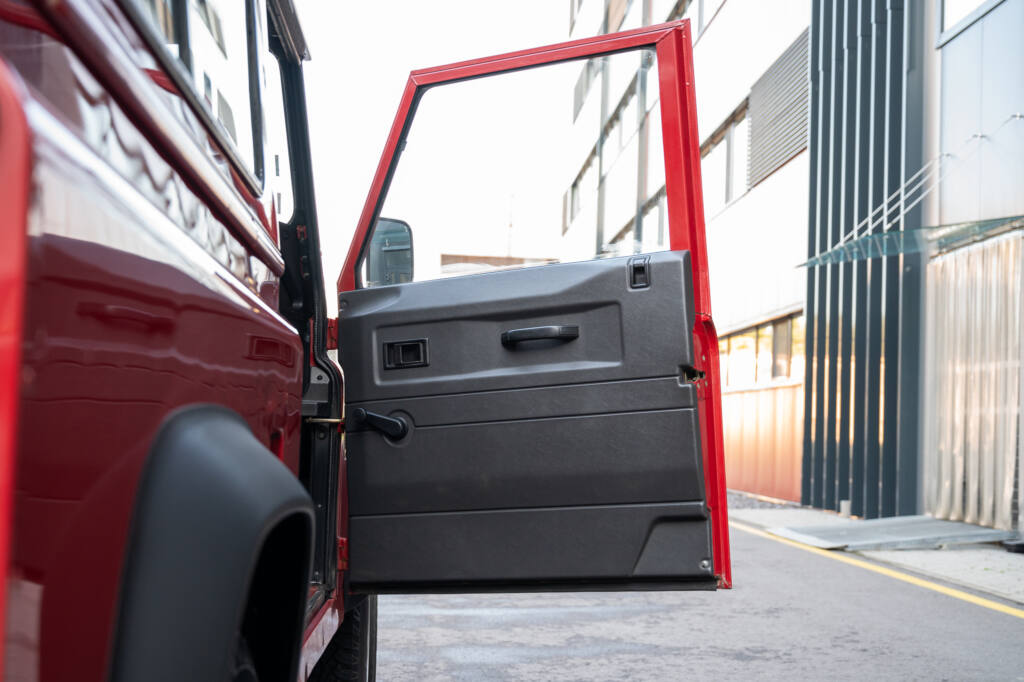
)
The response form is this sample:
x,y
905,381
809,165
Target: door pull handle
x,y
557,332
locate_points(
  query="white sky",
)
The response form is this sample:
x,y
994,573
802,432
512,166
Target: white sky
x,y
485,167
362,53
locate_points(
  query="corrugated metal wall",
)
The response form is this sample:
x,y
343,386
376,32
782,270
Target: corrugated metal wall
x,y
762,439
974,336
863,317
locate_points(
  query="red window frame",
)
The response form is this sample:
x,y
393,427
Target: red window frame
x,y
674,50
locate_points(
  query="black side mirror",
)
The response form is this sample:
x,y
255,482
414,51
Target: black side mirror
x,y
389,258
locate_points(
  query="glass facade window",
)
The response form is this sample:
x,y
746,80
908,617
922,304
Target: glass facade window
x,y
798,353
620,190
161,12
738,159
584,189
653,225
215,41
628,120
765,354
574,10
625,215
661,10
655,161
476,143
955,11
634,16
723,359
616,11
782,347
713,169
724,167
591,68
708,11
692,12
276,140
743,358
219,45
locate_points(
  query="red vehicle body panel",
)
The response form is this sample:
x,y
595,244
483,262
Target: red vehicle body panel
x,y
685,205
153,277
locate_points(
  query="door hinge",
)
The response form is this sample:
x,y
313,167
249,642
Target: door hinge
x,y
342,553
327,420
332,333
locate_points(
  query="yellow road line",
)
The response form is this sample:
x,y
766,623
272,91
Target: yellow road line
x,y
898,575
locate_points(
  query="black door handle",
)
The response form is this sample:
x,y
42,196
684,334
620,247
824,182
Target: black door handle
x,y
393,427
558,332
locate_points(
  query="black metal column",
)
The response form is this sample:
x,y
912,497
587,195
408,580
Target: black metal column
x,y
892,281
814,246
833,185
816,384
911,301
862,206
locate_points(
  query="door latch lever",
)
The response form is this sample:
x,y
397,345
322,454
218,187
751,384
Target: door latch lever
x,y
392,427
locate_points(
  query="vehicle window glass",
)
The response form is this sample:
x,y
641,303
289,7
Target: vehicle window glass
x,y
279,171
510,170
215,41
218,40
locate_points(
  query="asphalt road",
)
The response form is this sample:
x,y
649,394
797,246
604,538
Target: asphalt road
x,y
792,615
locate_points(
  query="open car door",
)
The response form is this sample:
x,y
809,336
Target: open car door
x,y
536,428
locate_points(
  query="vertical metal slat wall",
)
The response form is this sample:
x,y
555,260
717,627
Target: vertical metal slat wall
x,y
860,399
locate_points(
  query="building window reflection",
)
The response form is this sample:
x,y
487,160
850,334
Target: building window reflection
x,y
763,355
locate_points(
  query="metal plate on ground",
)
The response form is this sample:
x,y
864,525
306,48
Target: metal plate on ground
x,y
899,532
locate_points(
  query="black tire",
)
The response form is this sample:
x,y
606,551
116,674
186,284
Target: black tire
x,y
243,668
352,654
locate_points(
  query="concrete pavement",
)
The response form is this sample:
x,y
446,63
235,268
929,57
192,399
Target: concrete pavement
x,y
984,568
792,615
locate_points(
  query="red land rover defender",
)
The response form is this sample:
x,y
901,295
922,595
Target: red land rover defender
x,y
190,487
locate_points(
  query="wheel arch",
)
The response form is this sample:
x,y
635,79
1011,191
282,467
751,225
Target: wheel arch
x,y
221,544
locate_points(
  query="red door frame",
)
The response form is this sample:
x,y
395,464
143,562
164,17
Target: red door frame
x,y
15,171
685,207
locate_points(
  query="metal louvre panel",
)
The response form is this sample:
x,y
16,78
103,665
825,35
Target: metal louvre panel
x,y
778,112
